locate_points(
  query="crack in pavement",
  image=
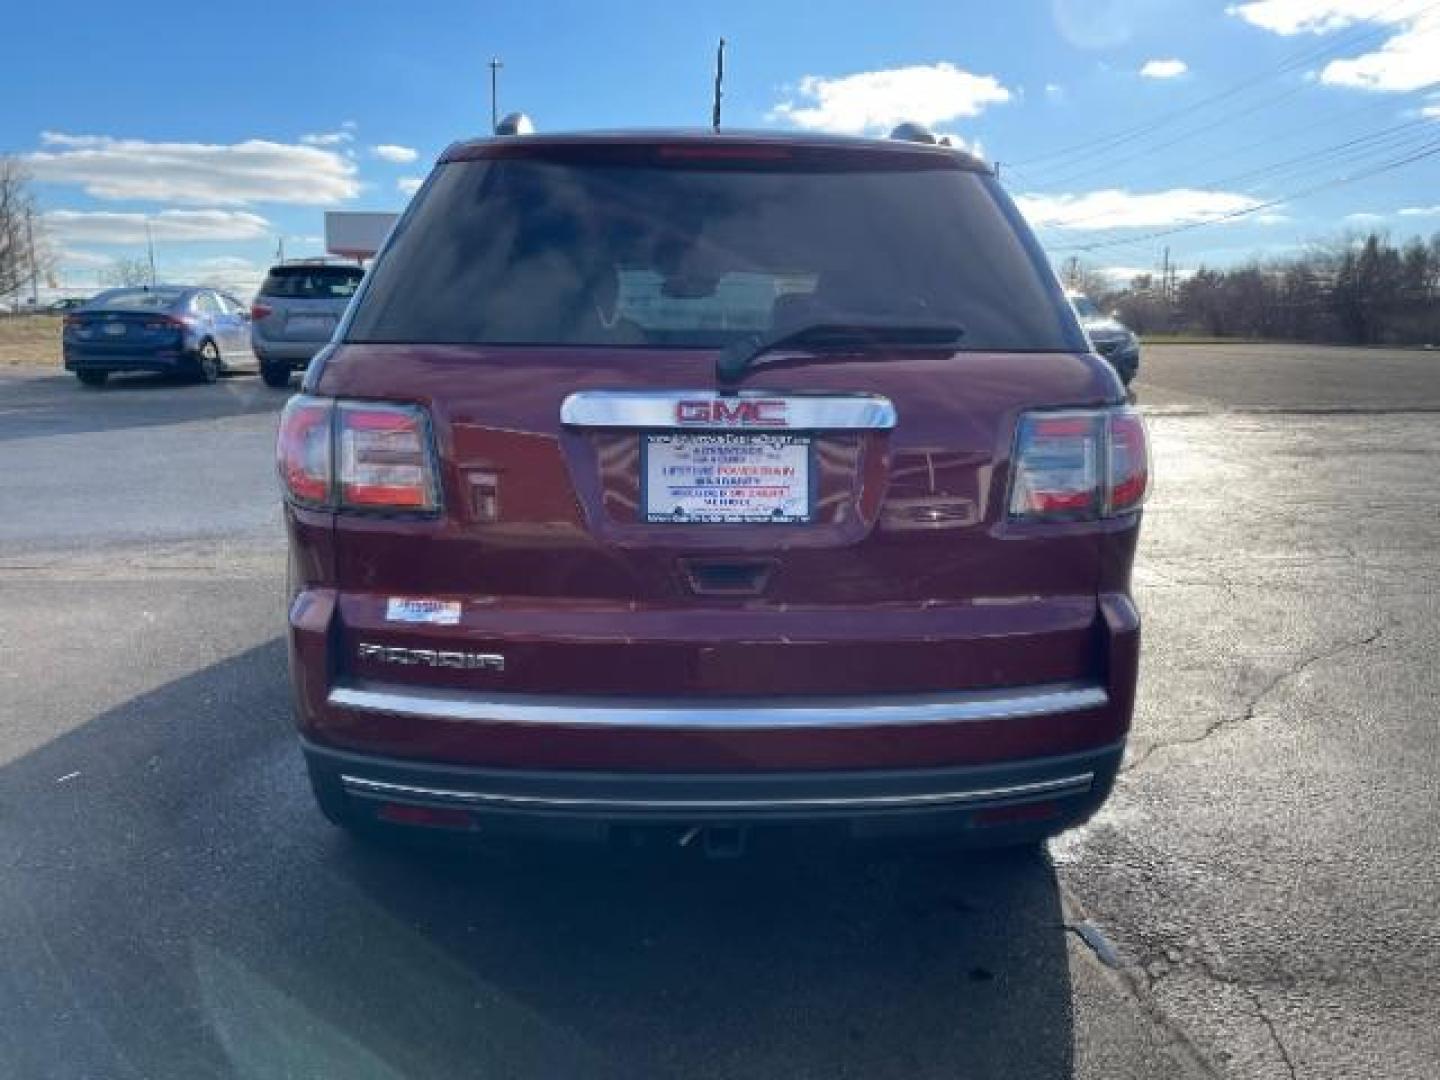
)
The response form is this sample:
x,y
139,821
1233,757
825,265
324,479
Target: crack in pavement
x,y
1209,971
1264,1018
1253,705
1087,931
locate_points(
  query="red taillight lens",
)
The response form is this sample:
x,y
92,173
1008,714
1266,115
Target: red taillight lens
x,y
302,450
1129,467
1078,465
73,320
1056,468
384,458
352,455
259,311
166,322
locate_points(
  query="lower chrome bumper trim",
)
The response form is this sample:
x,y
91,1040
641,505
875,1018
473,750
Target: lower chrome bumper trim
x,y
1078,784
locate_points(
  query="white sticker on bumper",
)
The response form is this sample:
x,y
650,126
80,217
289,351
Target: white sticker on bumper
x,y
435,612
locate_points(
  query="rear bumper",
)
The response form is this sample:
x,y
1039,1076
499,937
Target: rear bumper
x,y
168,360
295,353
991,804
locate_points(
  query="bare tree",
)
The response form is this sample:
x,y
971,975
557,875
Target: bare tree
x,y
126,271
21,238
1357,288
1084,278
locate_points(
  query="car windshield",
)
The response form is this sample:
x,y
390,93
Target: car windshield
x,y
1085,308
136,299
312,282
537,252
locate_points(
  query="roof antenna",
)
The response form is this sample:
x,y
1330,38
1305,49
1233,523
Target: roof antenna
x,y
719,79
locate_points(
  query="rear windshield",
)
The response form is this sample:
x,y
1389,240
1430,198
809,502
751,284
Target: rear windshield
x,y
312,282
136,299
529,251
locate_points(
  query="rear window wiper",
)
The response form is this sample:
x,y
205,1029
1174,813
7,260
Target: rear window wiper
x,y
741,355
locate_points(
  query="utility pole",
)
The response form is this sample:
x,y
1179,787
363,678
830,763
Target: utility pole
x,y
150,249
719,82
1072,271
1165,275
280,249
495,66
34,271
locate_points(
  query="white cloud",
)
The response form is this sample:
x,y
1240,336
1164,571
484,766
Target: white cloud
x,y
1404,61
408,185
1364,217
74,259
1164,69
1421,211
399,155
1055,93
1115,208
109,227
218,174
327,138
875,101
1431,112
223,262
1123,275
1271,219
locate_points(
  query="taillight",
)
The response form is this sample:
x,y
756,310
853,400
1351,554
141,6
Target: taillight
x,y
73,320
166,322
259,311
384,457
1078,465
1129,462
356,455
302,450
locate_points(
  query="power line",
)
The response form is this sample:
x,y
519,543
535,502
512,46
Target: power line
x,y
1327,120
1429,150
1400,137
1359,36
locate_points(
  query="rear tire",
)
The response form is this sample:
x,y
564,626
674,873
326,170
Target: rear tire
x,y
276,376
207,363
92,378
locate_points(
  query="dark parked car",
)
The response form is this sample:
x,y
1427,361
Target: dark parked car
x,y
295,313
693,483
177,329
1112,339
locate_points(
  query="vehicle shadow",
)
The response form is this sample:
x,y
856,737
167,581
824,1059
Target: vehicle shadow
x,y
40,404
174,906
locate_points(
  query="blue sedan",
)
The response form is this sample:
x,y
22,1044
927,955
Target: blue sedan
x,y
190,331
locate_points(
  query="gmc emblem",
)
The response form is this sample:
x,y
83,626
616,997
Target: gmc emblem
x,y
719,412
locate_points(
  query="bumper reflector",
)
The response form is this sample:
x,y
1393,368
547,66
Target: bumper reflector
x,y
443,817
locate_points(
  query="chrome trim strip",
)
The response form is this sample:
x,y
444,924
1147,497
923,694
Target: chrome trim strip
x,y
1077,784
735,714
660,409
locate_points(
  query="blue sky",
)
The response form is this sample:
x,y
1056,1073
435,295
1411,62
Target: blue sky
x,y
229,128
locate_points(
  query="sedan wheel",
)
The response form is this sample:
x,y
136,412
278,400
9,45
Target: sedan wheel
x,y
207,363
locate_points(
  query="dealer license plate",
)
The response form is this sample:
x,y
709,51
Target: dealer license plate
x,y
313,325
726,478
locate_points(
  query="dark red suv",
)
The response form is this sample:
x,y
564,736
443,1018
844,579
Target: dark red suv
x,y
690,483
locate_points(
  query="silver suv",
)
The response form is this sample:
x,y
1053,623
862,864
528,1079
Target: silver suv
x,y
295,313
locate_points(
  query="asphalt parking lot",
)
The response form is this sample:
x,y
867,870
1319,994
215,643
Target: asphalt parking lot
x,y
1263,882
